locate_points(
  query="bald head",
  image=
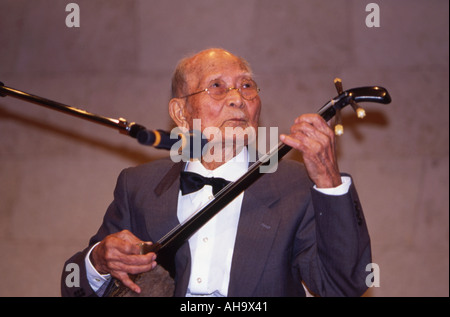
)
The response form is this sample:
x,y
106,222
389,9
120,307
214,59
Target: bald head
x,y
200,63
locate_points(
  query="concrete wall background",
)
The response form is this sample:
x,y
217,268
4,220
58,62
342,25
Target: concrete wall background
x,y
58,172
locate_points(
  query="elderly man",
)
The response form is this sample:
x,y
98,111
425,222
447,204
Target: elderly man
x,y
302,224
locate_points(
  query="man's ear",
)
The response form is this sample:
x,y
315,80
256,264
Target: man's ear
x,y
177,112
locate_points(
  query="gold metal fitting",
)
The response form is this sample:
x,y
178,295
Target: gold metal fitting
x,y
360,112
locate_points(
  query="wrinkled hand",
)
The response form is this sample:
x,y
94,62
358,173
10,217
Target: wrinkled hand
x,y
118,255
312,136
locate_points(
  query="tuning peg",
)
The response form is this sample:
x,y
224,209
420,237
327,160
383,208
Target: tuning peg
x,y
338,127
338,85
360,112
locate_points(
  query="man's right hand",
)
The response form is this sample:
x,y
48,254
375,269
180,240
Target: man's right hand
x,y
118,255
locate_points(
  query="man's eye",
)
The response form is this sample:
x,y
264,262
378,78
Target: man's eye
x,y
248,85
216,84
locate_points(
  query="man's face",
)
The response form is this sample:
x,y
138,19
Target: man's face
x,y
233,110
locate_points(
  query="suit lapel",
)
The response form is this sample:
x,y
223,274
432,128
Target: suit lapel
x,y
257,228
163,217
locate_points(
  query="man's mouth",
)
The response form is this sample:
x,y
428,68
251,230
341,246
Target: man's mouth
x,y
235,122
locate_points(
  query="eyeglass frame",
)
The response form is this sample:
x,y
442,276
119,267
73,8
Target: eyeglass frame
x,y
226,92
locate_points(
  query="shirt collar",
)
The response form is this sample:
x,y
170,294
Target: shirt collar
x,y
231,170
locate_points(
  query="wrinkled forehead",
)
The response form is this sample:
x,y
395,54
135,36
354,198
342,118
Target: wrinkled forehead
x,y
215,64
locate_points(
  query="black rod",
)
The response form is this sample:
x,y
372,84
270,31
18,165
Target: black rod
x,y
119,124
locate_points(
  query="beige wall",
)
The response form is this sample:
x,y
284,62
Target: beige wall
x,y
58,172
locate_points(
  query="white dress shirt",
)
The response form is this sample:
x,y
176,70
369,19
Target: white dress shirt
x,y
212,246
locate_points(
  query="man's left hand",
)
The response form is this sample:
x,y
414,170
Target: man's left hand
x,y
312,136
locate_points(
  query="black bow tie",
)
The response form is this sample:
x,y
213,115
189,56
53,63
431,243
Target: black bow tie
x,y
192,182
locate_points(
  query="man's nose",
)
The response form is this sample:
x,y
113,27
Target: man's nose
x,y
234,98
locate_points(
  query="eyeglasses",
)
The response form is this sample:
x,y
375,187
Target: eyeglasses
x,y
217,89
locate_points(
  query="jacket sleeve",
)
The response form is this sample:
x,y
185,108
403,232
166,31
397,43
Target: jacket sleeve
x,y
342,248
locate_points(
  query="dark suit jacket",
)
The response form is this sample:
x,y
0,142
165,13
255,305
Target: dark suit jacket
x,y
287,232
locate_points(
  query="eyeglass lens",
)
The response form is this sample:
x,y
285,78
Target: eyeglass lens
x,y
218,89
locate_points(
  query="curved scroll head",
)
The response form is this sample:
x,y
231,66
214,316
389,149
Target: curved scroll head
x,y
361,94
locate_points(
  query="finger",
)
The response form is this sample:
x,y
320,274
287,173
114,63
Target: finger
x,y
308,133
129,238
305,129
305,133
306,145
293,142
115,245
315,121
125,279
311,118
115,257
131,269
114,260
127,242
